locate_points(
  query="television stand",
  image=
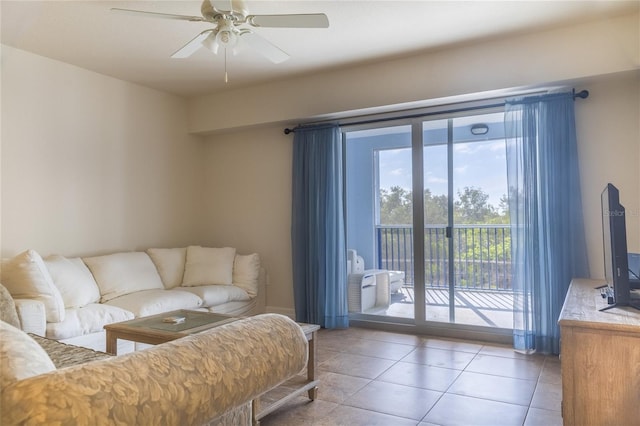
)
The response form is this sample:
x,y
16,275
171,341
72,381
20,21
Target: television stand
x,y
600,359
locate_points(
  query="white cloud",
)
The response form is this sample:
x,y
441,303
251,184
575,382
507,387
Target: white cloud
x,y
463,148
431,179
497,146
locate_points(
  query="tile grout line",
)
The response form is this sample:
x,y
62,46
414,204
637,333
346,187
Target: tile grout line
x,y
424,344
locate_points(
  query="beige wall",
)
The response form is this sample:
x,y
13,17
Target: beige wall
x,y
608,129
92,164
248,202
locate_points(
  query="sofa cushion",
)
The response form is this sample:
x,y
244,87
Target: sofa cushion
x,y
86,320
20,356
123,273
170,264
27,277
65,355
206,266
8,311
151,302
236,309
246,271
74,280
213,295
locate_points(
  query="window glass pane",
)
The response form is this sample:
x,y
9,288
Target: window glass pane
x,y
379,215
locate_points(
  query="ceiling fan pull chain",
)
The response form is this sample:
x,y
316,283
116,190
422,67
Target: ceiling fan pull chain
x,y
226,77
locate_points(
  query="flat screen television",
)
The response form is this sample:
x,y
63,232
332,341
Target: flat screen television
x,y
614,239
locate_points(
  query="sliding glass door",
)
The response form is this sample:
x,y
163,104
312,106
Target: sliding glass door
x,y
379,208
467,251
426,200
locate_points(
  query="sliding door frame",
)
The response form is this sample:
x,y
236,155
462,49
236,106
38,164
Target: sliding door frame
x,y
417,170
419,324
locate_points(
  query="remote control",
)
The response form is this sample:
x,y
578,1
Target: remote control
x,y
174,320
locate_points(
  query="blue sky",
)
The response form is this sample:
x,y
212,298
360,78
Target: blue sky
x,y
479,164
478,160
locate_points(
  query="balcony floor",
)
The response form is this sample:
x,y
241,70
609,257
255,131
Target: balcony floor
x,y
481,308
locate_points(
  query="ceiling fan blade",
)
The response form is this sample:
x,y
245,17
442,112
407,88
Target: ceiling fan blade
x,y
240,6
157,15
264,47
219,5
226,6
190,48
310,20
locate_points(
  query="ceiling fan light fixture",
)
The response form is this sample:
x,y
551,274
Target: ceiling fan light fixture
x,y
211,42
226,38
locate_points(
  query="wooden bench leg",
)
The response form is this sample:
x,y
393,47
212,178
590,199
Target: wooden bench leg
x,y
311,366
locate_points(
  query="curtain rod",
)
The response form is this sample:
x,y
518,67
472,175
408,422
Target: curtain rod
x,y
583,94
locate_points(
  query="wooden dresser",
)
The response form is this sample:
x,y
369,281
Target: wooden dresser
x,y
600,358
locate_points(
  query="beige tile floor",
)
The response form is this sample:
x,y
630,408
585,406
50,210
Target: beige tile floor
x,y
370,377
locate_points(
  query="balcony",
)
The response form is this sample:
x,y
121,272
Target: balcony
x,y
481,272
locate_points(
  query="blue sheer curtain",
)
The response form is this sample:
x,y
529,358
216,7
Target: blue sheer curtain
x,y
318,229
547,229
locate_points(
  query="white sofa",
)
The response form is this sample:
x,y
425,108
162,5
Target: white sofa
x,y
72,299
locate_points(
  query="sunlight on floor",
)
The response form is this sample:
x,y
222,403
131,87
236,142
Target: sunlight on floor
x,y
482,308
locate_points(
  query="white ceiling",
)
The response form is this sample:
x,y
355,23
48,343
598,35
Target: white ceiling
x,y
138,49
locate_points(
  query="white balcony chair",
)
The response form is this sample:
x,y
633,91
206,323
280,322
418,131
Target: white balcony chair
x,y
370,289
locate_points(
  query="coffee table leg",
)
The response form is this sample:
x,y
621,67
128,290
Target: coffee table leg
x,y
255,409
112,343
311,366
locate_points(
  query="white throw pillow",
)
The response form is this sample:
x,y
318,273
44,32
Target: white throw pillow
x,y
74,280
20,356
27,277
123,273
170,264
206,266
246,271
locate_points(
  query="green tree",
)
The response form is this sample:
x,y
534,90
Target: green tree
x,y
396,206
472,206
503,206
490,245
435,208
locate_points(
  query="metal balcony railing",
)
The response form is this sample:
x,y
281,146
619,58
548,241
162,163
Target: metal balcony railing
x,y
481,258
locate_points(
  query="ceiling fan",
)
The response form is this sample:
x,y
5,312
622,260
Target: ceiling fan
x,y
230,19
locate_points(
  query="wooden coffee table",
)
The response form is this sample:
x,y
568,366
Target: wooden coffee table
x,y
153,330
